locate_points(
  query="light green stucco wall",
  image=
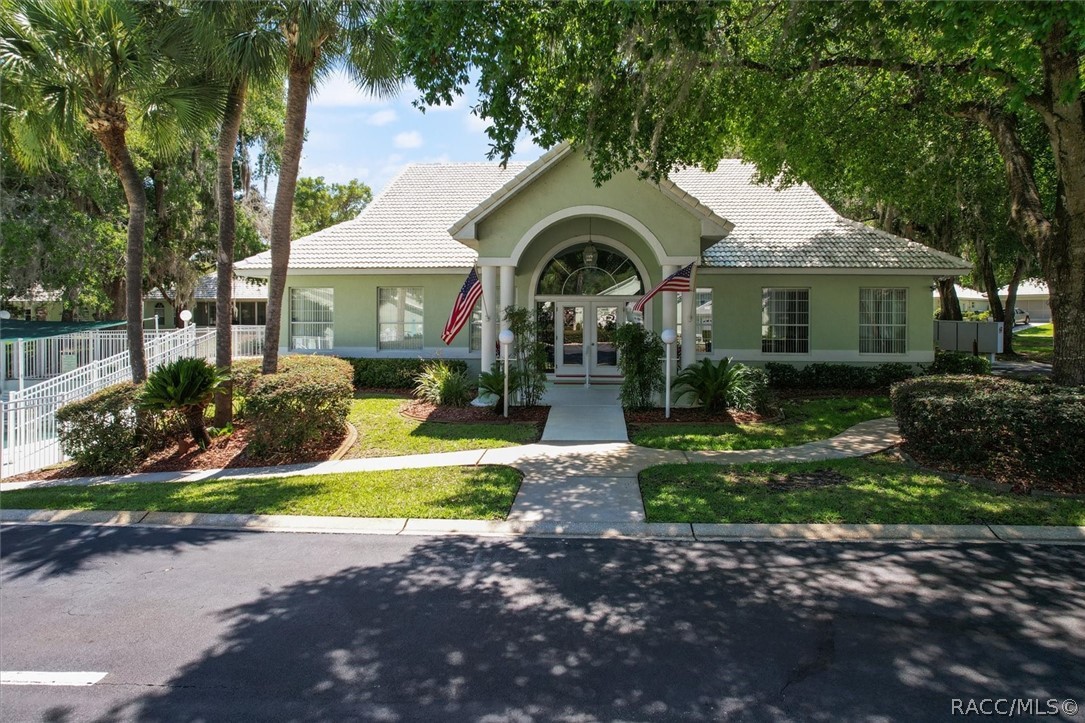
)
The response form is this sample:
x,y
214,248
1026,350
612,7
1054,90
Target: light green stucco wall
x,y
834,315
568,183
355,316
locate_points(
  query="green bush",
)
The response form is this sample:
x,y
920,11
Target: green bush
x,y
1030,434
493,383
441,383
308,400
392,373
640,360
715,386
529,355
760,397
185,386
837,376
102,433
955,362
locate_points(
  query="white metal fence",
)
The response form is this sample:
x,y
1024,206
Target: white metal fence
x,y
28,428
31,360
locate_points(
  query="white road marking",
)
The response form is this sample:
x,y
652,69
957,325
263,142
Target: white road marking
x,y
38,677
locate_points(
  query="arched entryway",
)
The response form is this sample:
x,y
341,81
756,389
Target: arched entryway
x,y
583,291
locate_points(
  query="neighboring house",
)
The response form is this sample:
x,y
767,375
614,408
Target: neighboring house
x,y
782,276
971,300
1032,298
250,304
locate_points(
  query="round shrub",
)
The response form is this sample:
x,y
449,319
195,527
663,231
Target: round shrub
x,y
1027,434
955,362
306,401
102,433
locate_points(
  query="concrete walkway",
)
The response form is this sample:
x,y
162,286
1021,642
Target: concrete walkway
x,y
584,414
564,483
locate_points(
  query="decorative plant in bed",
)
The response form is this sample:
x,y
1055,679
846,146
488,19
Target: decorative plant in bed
x,y
725,392
443,393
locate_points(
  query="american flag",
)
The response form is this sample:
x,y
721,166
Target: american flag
x,y
681,280
464,306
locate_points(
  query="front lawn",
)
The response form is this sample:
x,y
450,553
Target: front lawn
x,y
484,493
1036,343
804,420
383,432
876,490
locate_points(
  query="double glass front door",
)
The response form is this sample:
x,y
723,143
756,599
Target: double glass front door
x,y
584,332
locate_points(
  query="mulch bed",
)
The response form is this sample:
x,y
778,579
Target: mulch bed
x,y
686,415
427,412
227,451
811,479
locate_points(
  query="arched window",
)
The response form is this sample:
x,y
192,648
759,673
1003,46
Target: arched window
x,y
590,269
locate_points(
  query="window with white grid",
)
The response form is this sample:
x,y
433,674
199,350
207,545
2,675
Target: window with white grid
x,y
311,318
785,321
399,317
883,321
475,331
703,319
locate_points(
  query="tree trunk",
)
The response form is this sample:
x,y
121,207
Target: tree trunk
x,y
115,292
297,99
196,426
227,141
1011,305
113,141
947,297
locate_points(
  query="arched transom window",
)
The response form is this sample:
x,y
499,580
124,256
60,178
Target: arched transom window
x,y
590,269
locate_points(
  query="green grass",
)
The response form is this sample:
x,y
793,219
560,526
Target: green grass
x,y
1036,343
484,493
805,420
879,490
383,432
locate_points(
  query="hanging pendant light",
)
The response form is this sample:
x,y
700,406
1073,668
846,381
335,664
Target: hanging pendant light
x,y
590,254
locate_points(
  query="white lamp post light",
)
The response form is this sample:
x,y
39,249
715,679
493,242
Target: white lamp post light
x,y
506,338
669,337
186,316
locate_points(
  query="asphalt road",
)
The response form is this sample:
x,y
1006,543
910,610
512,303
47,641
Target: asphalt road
x,y
216,626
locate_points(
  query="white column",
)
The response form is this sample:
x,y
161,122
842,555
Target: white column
x,y
508,293
689,328
489,317
670,302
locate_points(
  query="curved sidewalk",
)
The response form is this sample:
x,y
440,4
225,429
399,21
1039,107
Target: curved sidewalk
x,y
539,461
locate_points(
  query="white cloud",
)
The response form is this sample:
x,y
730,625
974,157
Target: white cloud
x,y
407,139
475,124
337,90
382,117
526,149
334,172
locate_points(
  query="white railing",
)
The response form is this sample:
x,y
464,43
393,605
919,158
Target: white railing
x,y
28,417
23,360
248,340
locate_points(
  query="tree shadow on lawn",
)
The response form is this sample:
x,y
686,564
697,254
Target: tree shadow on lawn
x,y
461,628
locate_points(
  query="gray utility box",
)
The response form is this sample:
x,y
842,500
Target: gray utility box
x,y
983,337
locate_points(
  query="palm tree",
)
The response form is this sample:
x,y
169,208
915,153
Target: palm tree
x,y
103,67
243,50
319,34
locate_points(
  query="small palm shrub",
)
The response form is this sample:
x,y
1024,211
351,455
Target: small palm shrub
x,y
493,382
443,384
187,386
715,386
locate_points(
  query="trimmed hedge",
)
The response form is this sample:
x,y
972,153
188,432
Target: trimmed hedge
x,y
1032,435
102,432
393,373
308,400
836,376
955,362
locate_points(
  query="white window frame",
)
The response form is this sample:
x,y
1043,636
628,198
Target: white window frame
x,y
769,319
316,313
400,326
877,345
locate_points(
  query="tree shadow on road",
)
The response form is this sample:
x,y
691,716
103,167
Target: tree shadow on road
x,y
549,629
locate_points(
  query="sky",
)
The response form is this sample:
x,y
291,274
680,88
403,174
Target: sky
x,y
352,135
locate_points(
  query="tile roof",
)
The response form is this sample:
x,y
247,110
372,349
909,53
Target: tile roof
x,y
207,288
795,227
407,226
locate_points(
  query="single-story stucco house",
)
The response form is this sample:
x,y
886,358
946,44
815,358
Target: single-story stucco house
x,y
781,276
250,304
1032,298
970,299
